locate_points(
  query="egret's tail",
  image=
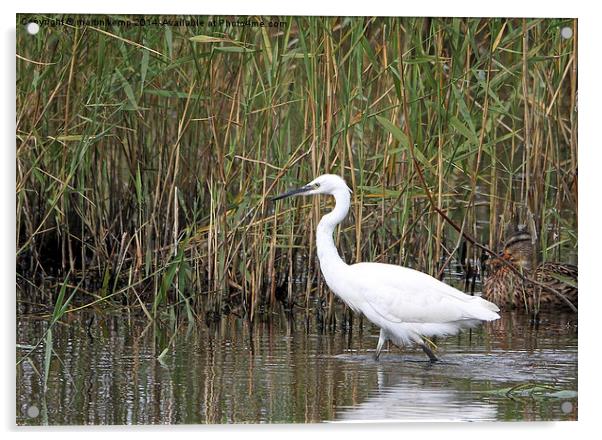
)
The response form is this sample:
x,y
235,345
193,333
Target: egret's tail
x,y
483,310
490,306
489,315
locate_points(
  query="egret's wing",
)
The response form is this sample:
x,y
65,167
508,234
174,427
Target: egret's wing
x,y
399,294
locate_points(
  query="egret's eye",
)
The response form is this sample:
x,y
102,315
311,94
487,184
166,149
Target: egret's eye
x,y
317,185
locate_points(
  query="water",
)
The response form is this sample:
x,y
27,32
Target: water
x,y
106,371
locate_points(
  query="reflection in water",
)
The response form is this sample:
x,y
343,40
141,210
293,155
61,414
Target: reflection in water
x,y
282,370
411,402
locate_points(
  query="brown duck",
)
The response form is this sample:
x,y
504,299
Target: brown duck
x,y
505,287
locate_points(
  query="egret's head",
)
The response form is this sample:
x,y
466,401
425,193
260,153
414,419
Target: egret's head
x,y
324,184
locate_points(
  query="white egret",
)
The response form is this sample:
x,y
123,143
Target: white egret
x,y
407,305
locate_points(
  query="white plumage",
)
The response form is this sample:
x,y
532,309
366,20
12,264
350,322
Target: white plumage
x,y
406,304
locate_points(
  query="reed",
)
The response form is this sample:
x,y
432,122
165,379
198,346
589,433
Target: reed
x,y
146,155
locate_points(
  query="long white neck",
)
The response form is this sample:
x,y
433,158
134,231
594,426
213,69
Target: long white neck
x,y
327,251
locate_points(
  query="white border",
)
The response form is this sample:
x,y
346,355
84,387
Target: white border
x,y
439,8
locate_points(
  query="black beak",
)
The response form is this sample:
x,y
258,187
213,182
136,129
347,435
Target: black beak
x,y
292,192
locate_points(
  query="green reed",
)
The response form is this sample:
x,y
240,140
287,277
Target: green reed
x,y
146,156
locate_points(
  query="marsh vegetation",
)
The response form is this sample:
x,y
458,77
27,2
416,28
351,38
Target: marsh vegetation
x,y
146,155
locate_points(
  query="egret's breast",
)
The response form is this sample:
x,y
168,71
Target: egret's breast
x,y
342,283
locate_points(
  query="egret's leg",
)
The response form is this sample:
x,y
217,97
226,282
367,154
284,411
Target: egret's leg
x,y
381,341
429,352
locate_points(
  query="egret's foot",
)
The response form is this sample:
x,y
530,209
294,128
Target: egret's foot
x,y
429,353
381,342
